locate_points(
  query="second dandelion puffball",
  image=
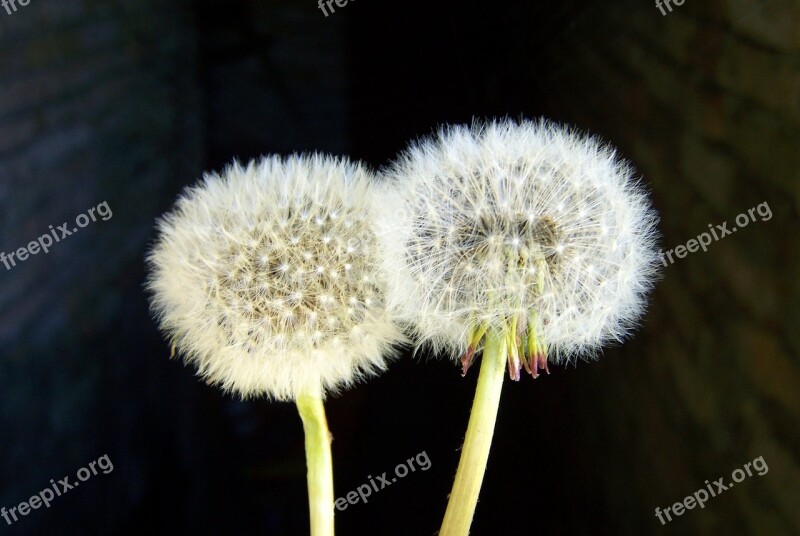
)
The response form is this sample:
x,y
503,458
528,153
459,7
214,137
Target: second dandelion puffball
x,y
526,229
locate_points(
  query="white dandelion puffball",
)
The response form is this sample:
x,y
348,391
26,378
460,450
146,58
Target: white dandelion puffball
x,y
525,228
266,277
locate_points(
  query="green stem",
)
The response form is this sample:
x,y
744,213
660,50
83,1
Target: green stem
x,y
320,465
478,441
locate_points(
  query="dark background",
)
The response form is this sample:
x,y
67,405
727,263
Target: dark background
x,y
128,101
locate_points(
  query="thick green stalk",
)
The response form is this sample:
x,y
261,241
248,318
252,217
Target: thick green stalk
x,y
320,465
478,441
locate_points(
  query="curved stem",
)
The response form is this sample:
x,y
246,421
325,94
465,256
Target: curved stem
x,y
475,453
320,465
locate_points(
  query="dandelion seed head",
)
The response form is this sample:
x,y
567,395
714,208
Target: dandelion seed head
x,y
527,222
252,278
